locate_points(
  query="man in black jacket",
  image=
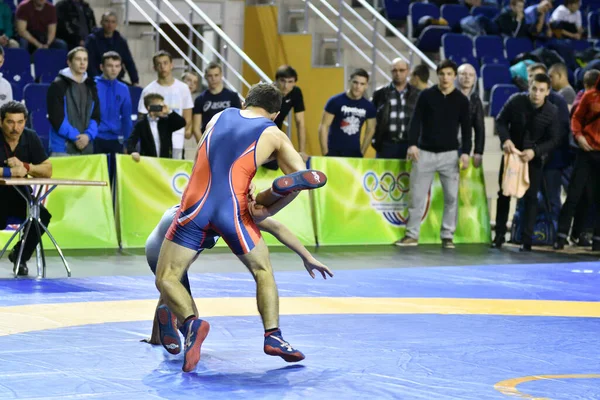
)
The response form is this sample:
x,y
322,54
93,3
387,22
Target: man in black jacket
x,y
155,130
395,104
73,107
511,21
105,39
76,21
441,111
528,126
466,83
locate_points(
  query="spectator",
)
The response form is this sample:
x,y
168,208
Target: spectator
x,y
559,75
343,118
6,27
527,126
73,108
537,17
156,130
213,100
433,139
6,94
286,79
23,155
586,130
36,25
76,21
420,77
394,104
566,20
192,79
176,95
108,38
584,214
471,3
115,107
511,21
589,83
558,165
466,83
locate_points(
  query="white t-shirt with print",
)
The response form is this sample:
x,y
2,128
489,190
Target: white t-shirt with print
x,y
177,98
562,13
6,93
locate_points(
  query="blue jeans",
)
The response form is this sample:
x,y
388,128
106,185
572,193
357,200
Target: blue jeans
x,y
56,44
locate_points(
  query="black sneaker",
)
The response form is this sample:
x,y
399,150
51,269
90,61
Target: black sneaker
x,y
560,243
498,242
525,247
448,244
23,270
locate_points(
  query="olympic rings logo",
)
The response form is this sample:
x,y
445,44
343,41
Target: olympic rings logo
x,y
179,182
386,187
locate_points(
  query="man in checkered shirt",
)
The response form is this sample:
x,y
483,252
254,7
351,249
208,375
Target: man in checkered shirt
x,y
394,103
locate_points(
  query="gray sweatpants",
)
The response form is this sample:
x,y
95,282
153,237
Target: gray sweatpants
x,y
421,177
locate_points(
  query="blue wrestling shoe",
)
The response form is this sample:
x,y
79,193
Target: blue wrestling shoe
x,y
275,345
301,180
167,329
196,331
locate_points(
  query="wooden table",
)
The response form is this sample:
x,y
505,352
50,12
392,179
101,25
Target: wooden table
x,y
34,201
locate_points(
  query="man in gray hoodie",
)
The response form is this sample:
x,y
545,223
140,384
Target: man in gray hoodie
x,y
73,108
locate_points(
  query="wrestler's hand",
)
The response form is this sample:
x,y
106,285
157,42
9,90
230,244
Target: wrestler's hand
x,y
252,192
258,211
313,264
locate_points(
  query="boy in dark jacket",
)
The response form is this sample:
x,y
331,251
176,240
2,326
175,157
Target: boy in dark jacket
x,y
155,130
73,107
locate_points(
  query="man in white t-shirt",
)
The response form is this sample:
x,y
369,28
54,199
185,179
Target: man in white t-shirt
x,y
566,19
176,94
6,93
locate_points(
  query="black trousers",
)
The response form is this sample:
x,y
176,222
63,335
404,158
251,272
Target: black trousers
x,y
585,180
530,198
13,205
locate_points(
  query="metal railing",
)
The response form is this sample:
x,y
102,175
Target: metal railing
x,y
374,44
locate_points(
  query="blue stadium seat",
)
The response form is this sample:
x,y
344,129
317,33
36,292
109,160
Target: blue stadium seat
x,y
593,24
430,39
579,45
516,46
396,10
465,60
48,62
453,13
17,91
492,75
487,11
456,46
35,96
16,62
417,11
489,46
135,93
41,126
494,60
499,96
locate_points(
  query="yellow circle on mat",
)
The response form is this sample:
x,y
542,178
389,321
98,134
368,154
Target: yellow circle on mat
x,y
37,317
509,386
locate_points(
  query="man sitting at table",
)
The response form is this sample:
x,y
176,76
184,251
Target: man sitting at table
x,y
21,154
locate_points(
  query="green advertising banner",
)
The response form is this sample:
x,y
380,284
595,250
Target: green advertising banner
x,y
82,216
366,201
147,188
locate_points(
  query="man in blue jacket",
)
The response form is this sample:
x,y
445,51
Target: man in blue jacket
x,y
73,108
105,39
115,107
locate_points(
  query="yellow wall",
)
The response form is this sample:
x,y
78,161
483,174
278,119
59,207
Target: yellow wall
x,y
268,49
